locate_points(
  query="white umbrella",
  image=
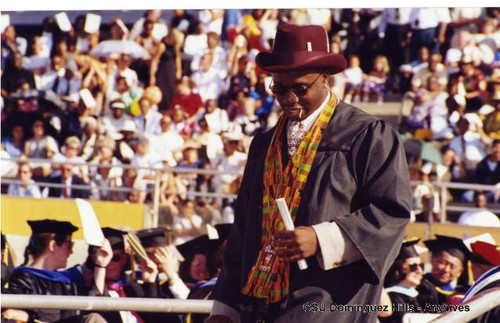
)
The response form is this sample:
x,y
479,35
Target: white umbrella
x,y
107,47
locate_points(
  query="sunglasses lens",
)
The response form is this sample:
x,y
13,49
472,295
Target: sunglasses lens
x,y
116,258
300,90
414,267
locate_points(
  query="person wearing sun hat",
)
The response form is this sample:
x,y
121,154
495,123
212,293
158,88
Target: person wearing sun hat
x,y
344,177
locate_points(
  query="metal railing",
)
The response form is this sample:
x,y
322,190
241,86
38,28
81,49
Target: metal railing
x,y
155,191
478,305
93,303
462,313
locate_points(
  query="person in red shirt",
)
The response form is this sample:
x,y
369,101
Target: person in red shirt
x,y
186,100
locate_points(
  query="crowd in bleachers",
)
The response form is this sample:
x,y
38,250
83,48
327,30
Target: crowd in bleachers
x,y
186,92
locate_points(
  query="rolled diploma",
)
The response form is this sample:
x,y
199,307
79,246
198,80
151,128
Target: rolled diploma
x,y
287,220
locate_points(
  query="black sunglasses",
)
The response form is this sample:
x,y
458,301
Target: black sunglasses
x,y
298,90
414,267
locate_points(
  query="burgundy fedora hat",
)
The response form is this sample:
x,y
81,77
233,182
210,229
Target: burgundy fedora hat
x,y
300,47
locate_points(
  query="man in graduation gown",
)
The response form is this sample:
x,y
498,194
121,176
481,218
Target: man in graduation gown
x,y
449,259
344,177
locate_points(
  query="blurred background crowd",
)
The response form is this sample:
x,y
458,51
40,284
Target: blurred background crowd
x,y
180,88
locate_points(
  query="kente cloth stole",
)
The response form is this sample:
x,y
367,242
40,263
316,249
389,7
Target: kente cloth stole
x,y
269,276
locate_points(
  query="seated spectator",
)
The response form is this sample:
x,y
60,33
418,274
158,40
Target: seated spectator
x,y
187,225
84,41
49,248
160,28
470,82
70,153
28,188
11,45
209,82
145,158
430,111
469,145
492,121
126,94
219,55
148,122
243,76
111,125
14,144
38,59
215,117
232,160
181,124
211,143
433,67
68,179
35,147
487,172
118,30
106,176
89,137
16,77
124,147
376,81
186,100
481,217
169,143
354,80
246,118
191,159
122,69
137,186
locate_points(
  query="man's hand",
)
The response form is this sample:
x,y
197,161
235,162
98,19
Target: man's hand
x,y
104,254
167,260
297,244
149,270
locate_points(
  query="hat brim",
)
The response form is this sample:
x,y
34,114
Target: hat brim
x,y
331,63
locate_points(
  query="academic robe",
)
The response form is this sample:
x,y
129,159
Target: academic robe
x,y
359,179
486,282
26,280
404,301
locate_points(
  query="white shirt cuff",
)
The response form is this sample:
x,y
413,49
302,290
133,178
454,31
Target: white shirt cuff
x,y
179,289
219,308
336,248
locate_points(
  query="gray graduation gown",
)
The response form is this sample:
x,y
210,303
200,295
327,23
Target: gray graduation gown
x,y
359,179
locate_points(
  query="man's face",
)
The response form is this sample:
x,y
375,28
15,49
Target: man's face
x,y
62,252
114,268
298,108
446,268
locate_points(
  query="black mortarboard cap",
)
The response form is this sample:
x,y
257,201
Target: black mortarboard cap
x,y
51,226
408,249
454,246
154,237
203,244
115,237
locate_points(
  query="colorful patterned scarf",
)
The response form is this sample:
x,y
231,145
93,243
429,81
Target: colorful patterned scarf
x,y
269,276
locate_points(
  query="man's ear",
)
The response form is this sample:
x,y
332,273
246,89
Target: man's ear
x,y
52,245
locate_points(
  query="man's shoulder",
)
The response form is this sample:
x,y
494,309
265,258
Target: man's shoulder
x,y
346,125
